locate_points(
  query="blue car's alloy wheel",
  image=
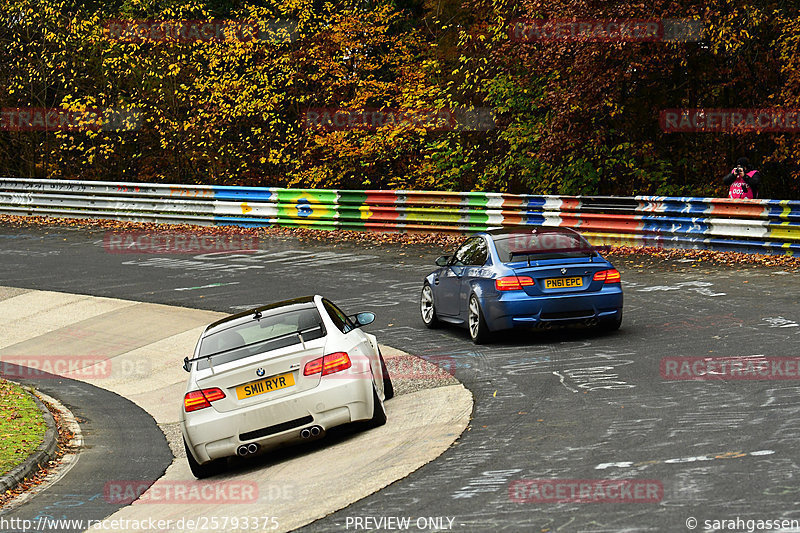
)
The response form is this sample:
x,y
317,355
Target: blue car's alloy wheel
x,y
427,307
478,330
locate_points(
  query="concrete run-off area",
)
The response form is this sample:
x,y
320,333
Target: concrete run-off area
x,y
135,350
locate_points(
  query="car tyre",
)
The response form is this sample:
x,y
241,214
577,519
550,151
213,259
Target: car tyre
x,y
427,307
378,410
612,324
478,330
388,387
205,470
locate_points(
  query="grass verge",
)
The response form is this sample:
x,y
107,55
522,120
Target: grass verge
x,y
22,425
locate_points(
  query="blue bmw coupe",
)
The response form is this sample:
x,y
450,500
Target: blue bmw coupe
x,y
522,277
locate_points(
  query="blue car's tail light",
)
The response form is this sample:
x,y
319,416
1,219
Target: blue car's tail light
x,y
607,276
513,283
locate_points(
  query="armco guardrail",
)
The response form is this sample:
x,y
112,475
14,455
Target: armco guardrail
x,y
766,226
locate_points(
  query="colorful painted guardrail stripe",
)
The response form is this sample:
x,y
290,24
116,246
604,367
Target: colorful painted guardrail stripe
x,y
767,226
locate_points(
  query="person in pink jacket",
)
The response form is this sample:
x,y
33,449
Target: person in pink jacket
x,y
743,180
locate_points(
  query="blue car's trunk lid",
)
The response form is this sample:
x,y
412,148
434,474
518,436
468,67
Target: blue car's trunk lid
x,y
560,276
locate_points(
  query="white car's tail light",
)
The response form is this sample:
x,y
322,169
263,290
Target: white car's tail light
x,y
200,399
607,276
331,363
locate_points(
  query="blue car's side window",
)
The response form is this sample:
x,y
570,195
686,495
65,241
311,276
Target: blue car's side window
x,y
473,252
461,254
481,253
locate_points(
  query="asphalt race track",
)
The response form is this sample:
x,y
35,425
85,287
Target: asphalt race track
x,y
560,405
135,350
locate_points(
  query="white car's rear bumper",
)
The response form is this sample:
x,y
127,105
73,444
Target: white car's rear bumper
x,y
335,401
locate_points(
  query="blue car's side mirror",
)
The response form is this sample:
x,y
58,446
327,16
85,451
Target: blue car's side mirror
x,y
443,261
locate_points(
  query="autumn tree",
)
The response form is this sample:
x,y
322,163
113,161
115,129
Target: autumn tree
x,y
572,116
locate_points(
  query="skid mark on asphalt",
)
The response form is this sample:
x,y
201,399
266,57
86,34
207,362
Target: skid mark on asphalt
x,y
274,262
561,378
780,322
700,287
210,286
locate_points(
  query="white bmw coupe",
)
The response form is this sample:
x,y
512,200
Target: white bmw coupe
x,y
279,374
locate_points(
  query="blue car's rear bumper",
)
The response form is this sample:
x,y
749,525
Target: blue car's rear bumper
x,y
518,309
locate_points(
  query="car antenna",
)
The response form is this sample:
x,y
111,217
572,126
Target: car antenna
x,y
257,315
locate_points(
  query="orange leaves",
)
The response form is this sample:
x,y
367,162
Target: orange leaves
x,y
643,256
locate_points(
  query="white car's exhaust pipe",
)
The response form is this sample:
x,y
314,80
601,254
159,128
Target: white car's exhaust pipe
x,y
313,431
247,449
